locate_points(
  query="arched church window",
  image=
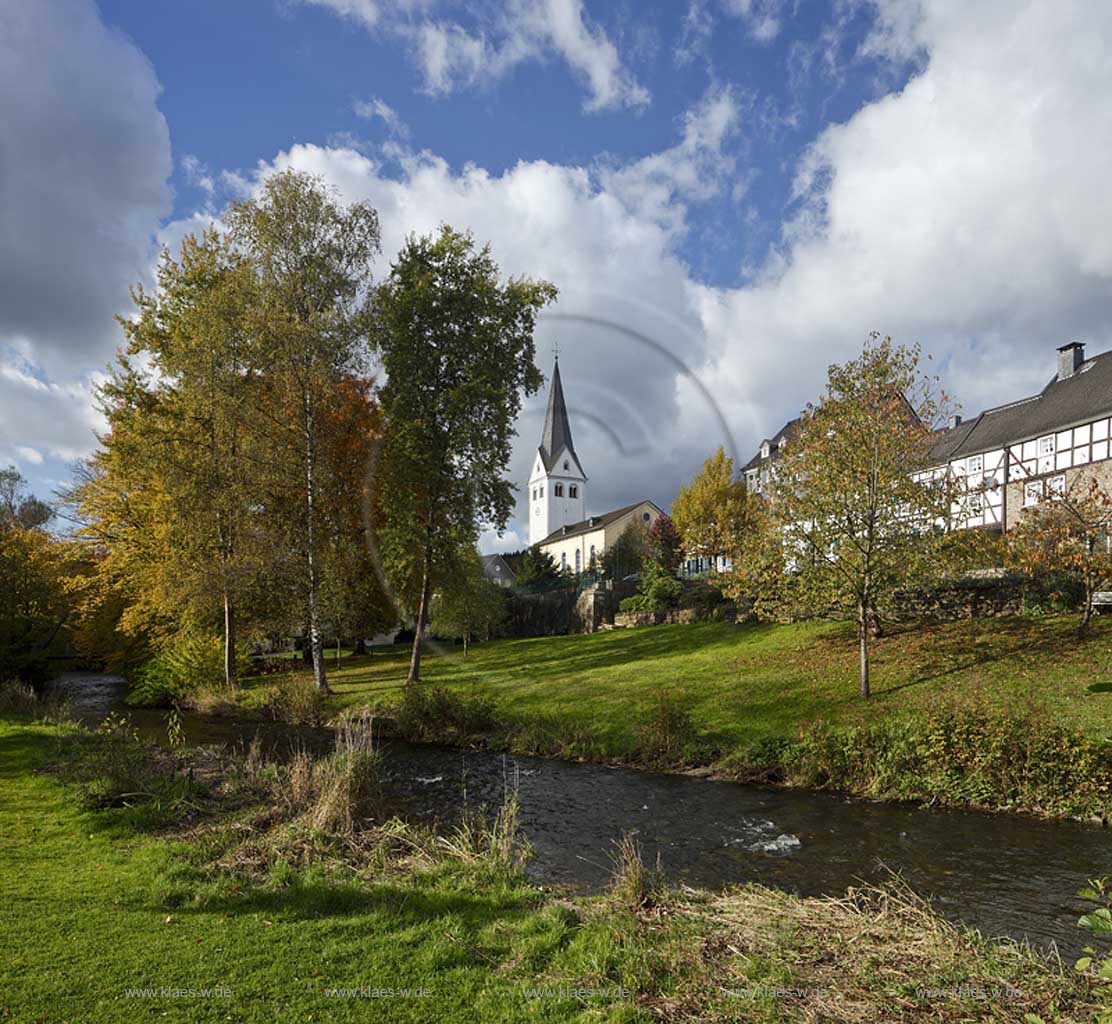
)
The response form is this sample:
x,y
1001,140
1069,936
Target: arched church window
x,y
591,563
558,490
563,559
578,566
573,491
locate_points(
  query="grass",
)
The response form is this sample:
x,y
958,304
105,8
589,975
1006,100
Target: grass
x,y
126,913
747,683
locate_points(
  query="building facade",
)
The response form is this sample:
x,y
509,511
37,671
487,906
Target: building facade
x,y
1012,457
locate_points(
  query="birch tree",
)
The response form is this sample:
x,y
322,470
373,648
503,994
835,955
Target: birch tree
x,y
311,259
859,515
457,347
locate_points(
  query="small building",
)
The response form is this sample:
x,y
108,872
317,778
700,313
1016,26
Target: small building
x,y
497,570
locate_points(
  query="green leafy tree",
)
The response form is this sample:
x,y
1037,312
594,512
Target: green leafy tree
x,y
310,259
457,346
859,513
627,554
17,506
1069,534
535,568
467,604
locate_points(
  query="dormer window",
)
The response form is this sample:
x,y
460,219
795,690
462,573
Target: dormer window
x,y
765,450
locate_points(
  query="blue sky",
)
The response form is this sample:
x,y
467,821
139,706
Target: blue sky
x,y
750,186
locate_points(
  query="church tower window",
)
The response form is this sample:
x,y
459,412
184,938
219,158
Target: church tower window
x,y
558,490
573,491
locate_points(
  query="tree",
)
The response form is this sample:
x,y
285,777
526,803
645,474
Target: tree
x,y
626,555
310,259
457,347
536,568
711,512
1069,533
858,512
467,604
17,506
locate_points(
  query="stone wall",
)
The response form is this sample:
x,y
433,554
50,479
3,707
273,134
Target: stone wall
x,y
984,593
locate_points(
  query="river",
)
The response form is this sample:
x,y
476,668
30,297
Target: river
x,y
1008,875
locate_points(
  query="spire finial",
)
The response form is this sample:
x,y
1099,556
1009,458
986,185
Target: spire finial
x,y
556,350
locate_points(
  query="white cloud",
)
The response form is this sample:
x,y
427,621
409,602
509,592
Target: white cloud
x,y
378,109
761,17
452,55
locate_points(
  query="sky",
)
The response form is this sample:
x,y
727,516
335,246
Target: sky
x,y
729,194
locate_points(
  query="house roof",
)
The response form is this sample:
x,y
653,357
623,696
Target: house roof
x,y
1084,395
495,567
557,426
593,523
788,430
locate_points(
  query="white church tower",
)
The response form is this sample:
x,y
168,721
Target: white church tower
x,y
557,484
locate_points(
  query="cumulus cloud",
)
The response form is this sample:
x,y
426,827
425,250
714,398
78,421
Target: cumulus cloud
x,y
453,55
86,157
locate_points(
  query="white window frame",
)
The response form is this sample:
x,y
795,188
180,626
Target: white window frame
x,y
976,503
558,490
1046,446
764,451
1032,493
974,464
1056,487
573,490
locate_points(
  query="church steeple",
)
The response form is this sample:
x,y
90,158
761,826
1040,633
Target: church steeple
x,y
557,429
557,483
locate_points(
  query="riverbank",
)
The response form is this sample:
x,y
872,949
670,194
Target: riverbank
x,y
229,885
998,714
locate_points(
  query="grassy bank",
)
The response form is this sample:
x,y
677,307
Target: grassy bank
x,y
230,900
1020,706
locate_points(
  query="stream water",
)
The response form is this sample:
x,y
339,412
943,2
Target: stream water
x,y
1006,874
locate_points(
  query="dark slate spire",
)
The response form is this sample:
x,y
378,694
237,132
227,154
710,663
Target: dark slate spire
x,y
557,429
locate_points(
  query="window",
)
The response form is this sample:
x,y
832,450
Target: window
x,y
573,490
646,516
558,490
542,490
591,561
578,566
534,494
974,464
563,559
764,450
1046,445
1032,492
976,504
1056,486
566,466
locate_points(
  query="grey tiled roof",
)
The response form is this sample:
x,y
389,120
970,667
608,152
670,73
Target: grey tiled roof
x,y
557,426
774,442
594,522
1084,395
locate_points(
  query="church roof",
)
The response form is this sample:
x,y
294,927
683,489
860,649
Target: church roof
x,y
593,523
557,427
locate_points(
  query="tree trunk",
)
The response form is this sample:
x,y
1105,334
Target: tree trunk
x,y
422,619
360,647
316,644
465,635
863,640
230,678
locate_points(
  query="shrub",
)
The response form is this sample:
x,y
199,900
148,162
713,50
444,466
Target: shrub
x,y
962,756
666,729
18,698
193,660
435,714
296,700
637,603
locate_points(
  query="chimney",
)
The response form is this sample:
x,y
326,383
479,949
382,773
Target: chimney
x,y
953,421
1070,358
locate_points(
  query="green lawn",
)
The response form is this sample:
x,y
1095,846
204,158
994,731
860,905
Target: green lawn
x,y
106,921
748,682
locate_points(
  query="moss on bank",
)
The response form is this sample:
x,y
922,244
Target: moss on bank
x,y
226,901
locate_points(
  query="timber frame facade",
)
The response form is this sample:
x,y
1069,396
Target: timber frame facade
x,y
1012,457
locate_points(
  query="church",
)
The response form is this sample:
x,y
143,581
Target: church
x,y
559,523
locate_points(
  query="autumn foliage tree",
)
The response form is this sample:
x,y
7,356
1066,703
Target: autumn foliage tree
x,y
712,512
857,513
1069,533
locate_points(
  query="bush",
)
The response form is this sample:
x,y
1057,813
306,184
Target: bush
x,y
666,730
296,700
960,756
192,660
432,713
637,603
